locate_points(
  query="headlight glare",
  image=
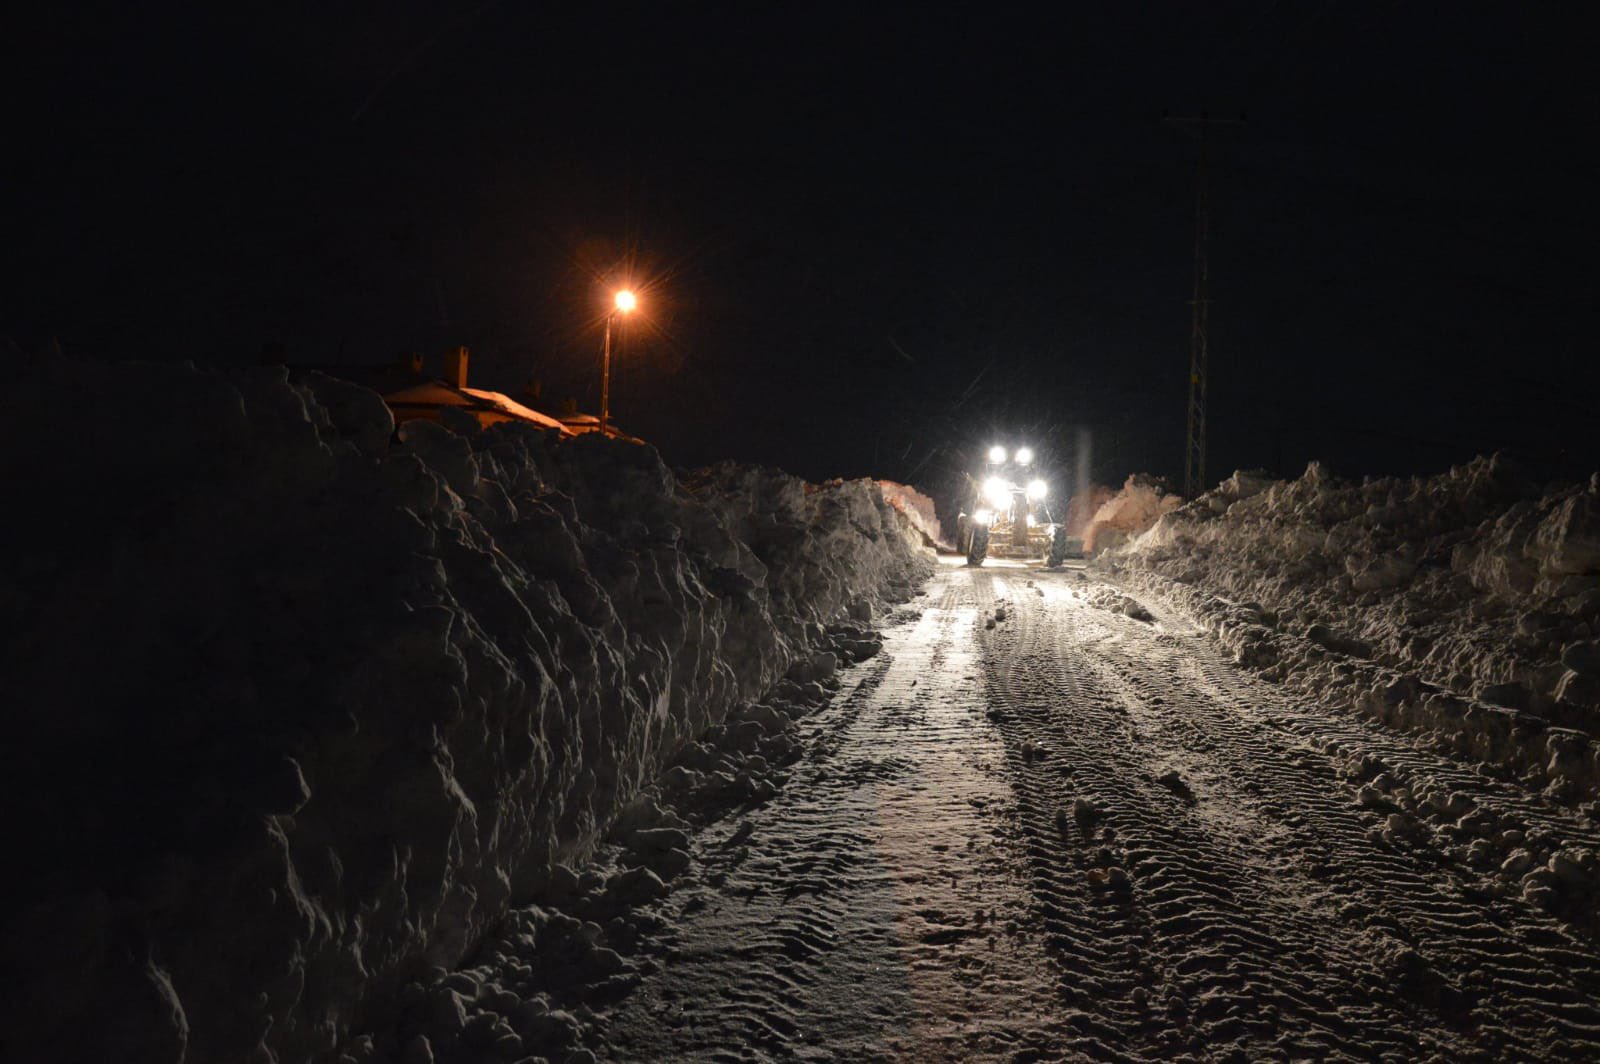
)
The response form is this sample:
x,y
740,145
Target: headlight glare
x,y
1024,455
1037,489
997,493
997,455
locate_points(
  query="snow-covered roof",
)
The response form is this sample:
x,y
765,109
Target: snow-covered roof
x,y
421,399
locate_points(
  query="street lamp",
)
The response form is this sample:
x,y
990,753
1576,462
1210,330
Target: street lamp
x,y
624,303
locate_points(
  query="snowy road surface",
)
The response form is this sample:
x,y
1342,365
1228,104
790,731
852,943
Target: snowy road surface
x,y
1046,824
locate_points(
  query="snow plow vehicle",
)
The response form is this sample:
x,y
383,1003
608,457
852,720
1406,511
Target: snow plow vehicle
x,y
1007,514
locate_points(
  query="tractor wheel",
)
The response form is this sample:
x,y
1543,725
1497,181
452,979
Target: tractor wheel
x,y
979,547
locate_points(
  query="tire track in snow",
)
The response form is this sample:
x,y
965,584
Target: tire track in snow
x,y
1506,929
1429,897
1262,917
875,909
1161,956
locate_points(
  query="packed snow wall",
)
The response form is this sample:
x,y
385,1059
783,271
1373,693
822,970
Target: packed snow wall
x,y
1127,512
1465,604
918,509
297,706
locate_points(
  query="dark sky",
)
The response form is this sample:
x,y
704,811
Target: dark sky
x,y
867,242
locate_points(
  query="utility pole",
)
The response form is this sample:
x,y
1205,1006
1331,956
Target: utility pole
x,y
623,302
1194,458
605,377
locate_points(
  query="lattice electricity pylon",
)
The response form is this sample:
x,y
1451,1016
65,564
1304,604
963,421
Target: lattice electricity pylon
x,y
1194,455
1194,461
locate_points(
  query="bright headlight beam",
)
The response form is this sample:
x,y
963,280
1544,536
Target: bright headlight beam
x,y
1024,455
997,493
997,455
1038,489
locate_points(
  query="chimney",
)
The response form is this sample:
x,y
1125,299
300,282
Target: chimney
x,y
455,367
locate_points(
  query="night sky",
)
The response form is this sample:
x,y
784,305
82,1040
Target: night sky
x,y
867,243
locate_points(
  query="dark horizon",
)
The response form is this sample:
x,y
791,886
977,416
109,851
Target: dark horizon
x,y
868,244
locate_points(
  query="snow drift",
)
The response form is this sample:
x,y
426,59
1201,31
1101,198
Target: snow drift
x,y
298,706
1138,505
1465,605
918,509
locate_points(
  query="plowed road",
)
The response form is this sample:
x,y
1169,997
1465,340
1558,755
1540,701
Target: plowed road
x,y
1037,827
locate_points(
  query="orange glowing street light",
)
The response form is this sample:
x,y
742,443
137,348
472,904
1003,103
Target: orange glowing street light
x,y
625,303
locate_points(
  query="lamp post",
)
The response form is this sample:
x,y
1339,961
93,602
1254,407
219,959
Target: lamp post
x,y
624,303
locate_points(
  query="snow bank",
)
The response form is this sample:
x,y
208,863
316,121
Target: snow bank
x,y
532,988
1138,505
296,712
919,510
1465,605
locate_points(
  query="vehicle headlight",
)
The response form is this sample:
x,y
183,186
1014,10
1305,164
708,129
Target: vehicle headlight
x,y
1024,455
997,493
997,455
1037,489
983,517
